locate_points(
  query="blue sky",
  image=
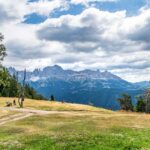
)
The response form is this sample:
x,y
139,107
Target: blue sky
x,y
78,34
131,6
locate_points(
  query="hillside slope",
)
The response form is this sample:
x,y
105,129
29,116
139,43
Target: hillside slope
x,y
49,105
80,127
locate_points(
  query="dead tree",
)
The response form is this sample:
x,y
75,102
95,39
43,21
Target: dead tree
x,y
21,93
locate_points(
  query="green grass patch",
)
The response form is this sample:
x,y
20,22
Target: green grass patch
x,y
74,132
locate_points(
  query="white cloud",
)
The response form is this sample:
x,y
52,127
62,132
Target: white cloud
x,y
16,10
13,10
86,2
96,32
46,7
94,39
95,27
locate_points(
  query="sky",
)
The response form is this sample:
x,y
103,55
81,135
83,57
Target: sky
x,y
111,35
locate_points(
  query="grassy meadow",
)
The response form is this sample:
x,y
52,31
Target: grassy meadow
x,y
80,128
49,105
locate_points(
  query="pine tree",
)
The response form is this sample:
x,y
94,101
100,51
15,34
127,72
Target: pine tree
x,y
126,102
141,105
5,79
147,100
52,98
2,48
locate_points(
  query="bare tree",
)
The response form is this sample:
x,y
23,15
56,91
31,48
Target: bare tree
x,y
21,93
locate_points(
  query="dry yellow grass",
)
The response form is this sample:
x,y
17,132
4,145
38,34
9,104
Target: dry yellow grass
x,y
75,126
6,113
102,117
47,105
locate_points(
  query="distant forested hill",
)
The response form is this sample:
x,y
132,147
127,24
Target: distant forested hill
x,y
9,86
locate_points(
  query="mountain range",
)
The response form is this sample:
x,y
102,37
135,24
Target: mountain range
x,y
87,87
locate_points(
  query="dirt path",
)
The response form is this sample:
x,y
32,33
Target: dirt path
x,y
25,110
24,113
14,117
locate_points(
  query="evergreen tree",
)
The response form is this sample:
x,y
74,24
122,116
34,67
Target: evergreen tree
x,y
141,105
9,87
4,77
52,98
5,80
147,100
14,87
31,93
2,48
126,102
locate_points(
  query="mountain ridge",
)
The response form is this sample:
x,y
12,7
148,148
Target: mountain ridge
x,y
95,87
57,70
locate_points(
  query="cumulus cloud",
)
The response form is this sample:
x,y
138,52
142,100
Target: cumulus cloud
x,y
87,31
12,10
140,34
115,35
17,10
46,7
93,39
94,29
86,2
